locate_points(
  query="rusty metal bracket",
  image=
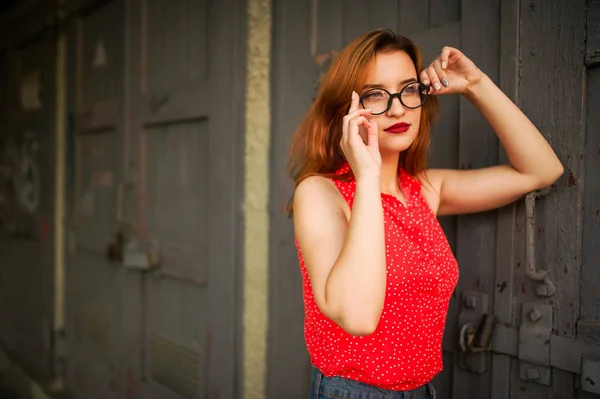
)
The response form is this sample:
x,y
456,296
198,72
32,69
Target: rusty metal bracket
x,y
539,351
546,287
534,343
473,335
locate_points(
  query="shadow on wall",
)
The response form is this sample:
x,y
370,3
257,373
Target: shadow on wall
x,y
7,393
15,384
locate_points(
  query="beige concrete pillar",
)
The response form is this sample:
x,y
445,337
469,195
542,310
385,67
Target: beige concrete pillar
x,y
256,245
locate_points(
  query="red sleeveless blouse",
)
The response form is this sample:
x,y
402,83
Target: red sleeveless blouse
x,y
405,351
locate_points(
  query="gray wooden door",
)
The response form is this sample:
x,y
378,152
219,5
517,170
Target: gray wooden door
x,y
158,146
186,114
99,291
27,197
588,322
527,48
548,336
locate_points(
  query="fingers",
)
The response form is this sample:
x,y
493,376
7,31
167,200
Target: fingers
x,y
356,116
444,57
353,127
360,152
372,136
441,73
424,78
354,104
435,75
353,120
350,128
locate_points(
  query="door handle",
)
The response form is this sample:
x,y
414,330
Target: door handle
x,y
546,287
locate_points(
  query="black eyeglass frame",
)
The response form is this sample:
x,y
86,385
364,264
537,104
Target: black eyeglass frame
x,y
422,87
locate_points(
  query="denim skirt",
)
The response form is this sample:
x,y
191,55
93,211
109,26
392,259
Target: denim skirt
x,y
322,387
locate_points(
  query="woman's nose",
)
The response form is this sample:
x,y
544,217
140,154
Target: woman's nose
x,y
396,108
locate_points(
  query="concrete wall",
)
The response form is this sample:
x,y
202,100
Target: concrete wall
x,y
256,246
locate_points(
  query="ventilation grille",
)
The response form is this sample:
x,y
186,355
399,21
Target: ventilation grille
x,y
177,367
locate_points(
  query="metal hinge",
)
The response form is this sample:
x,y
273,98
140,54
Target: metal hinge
x,y
533,344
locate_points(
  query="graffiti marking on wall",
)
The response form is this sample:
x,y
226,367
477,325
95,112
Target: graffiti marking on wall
x,y
20,184
28,184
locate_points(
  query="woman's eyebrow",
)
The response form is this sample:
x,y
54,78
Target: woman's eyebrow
x,y
378,85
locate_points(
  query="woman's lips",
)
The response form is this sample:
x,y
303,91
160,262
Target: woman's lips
x,y
398,128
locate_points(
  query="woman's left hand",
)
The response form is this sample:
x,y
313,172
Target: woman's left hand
x,y
451,72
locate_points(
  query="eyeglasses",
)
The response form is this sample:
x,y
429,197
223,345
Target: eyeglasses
x,y
412,96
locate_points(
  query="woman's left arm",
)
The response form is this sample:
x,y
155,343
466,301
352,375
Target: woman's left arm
x,y
533,163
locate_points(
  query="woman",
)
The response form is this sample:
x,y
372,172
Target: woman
x,y
377,269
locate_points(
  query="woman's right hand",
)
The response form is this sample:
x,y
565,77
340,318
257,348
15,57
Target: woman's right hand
x,y
364,159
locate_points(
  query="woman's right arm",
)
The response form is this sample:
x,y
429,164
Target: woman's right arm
x,y
345,261
345,257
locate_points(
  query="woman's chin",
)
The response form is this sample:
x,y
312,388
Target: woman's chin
x,y
395,143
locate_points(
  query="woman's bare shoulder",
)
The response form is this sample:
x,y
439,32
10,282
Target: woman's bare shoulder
x,y
318,195
430,188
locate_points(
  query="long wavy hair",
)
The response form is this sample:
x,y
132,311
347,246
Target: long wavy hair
x,y
315,148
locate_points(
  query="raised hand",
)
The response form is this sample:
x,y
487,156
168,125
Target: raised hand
x,y
364,159
451,72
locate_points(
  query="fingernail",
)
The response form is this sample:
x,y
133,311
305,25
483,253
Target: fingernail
x,y
437,86
443,64
426,82
445,83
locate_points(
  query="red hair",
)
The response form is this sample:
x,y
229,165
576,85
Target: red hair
x,y
315,148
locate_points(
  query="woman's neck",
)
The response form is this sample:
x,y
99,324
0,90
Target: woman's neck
x,y
389,175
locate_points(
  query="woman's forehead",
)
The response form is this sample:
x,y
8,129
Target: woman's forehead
x,y
391,68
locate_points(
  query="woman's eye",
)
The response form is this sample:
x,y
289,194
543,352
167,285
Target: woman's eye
x,y
374,95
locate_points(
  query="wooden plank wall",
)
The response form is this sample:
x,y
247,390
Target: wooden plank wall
x,y
588,328
552,94
478,147
288,371
505,248
590,272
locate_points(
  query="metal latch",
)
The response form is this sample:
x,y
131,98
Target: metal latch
x,y
142,254
546,287
132,251
478,337
530,344
475,332
540,351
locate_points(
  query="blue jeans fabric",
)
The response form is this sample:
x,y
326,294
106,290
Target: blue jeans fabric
x,y
322,387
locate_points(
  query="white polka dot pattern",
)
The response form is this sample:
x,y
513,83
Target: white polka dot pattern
x,y
405,351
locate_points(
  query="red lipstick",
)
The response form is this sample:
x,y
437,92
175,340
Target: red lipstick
x,y
397,128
